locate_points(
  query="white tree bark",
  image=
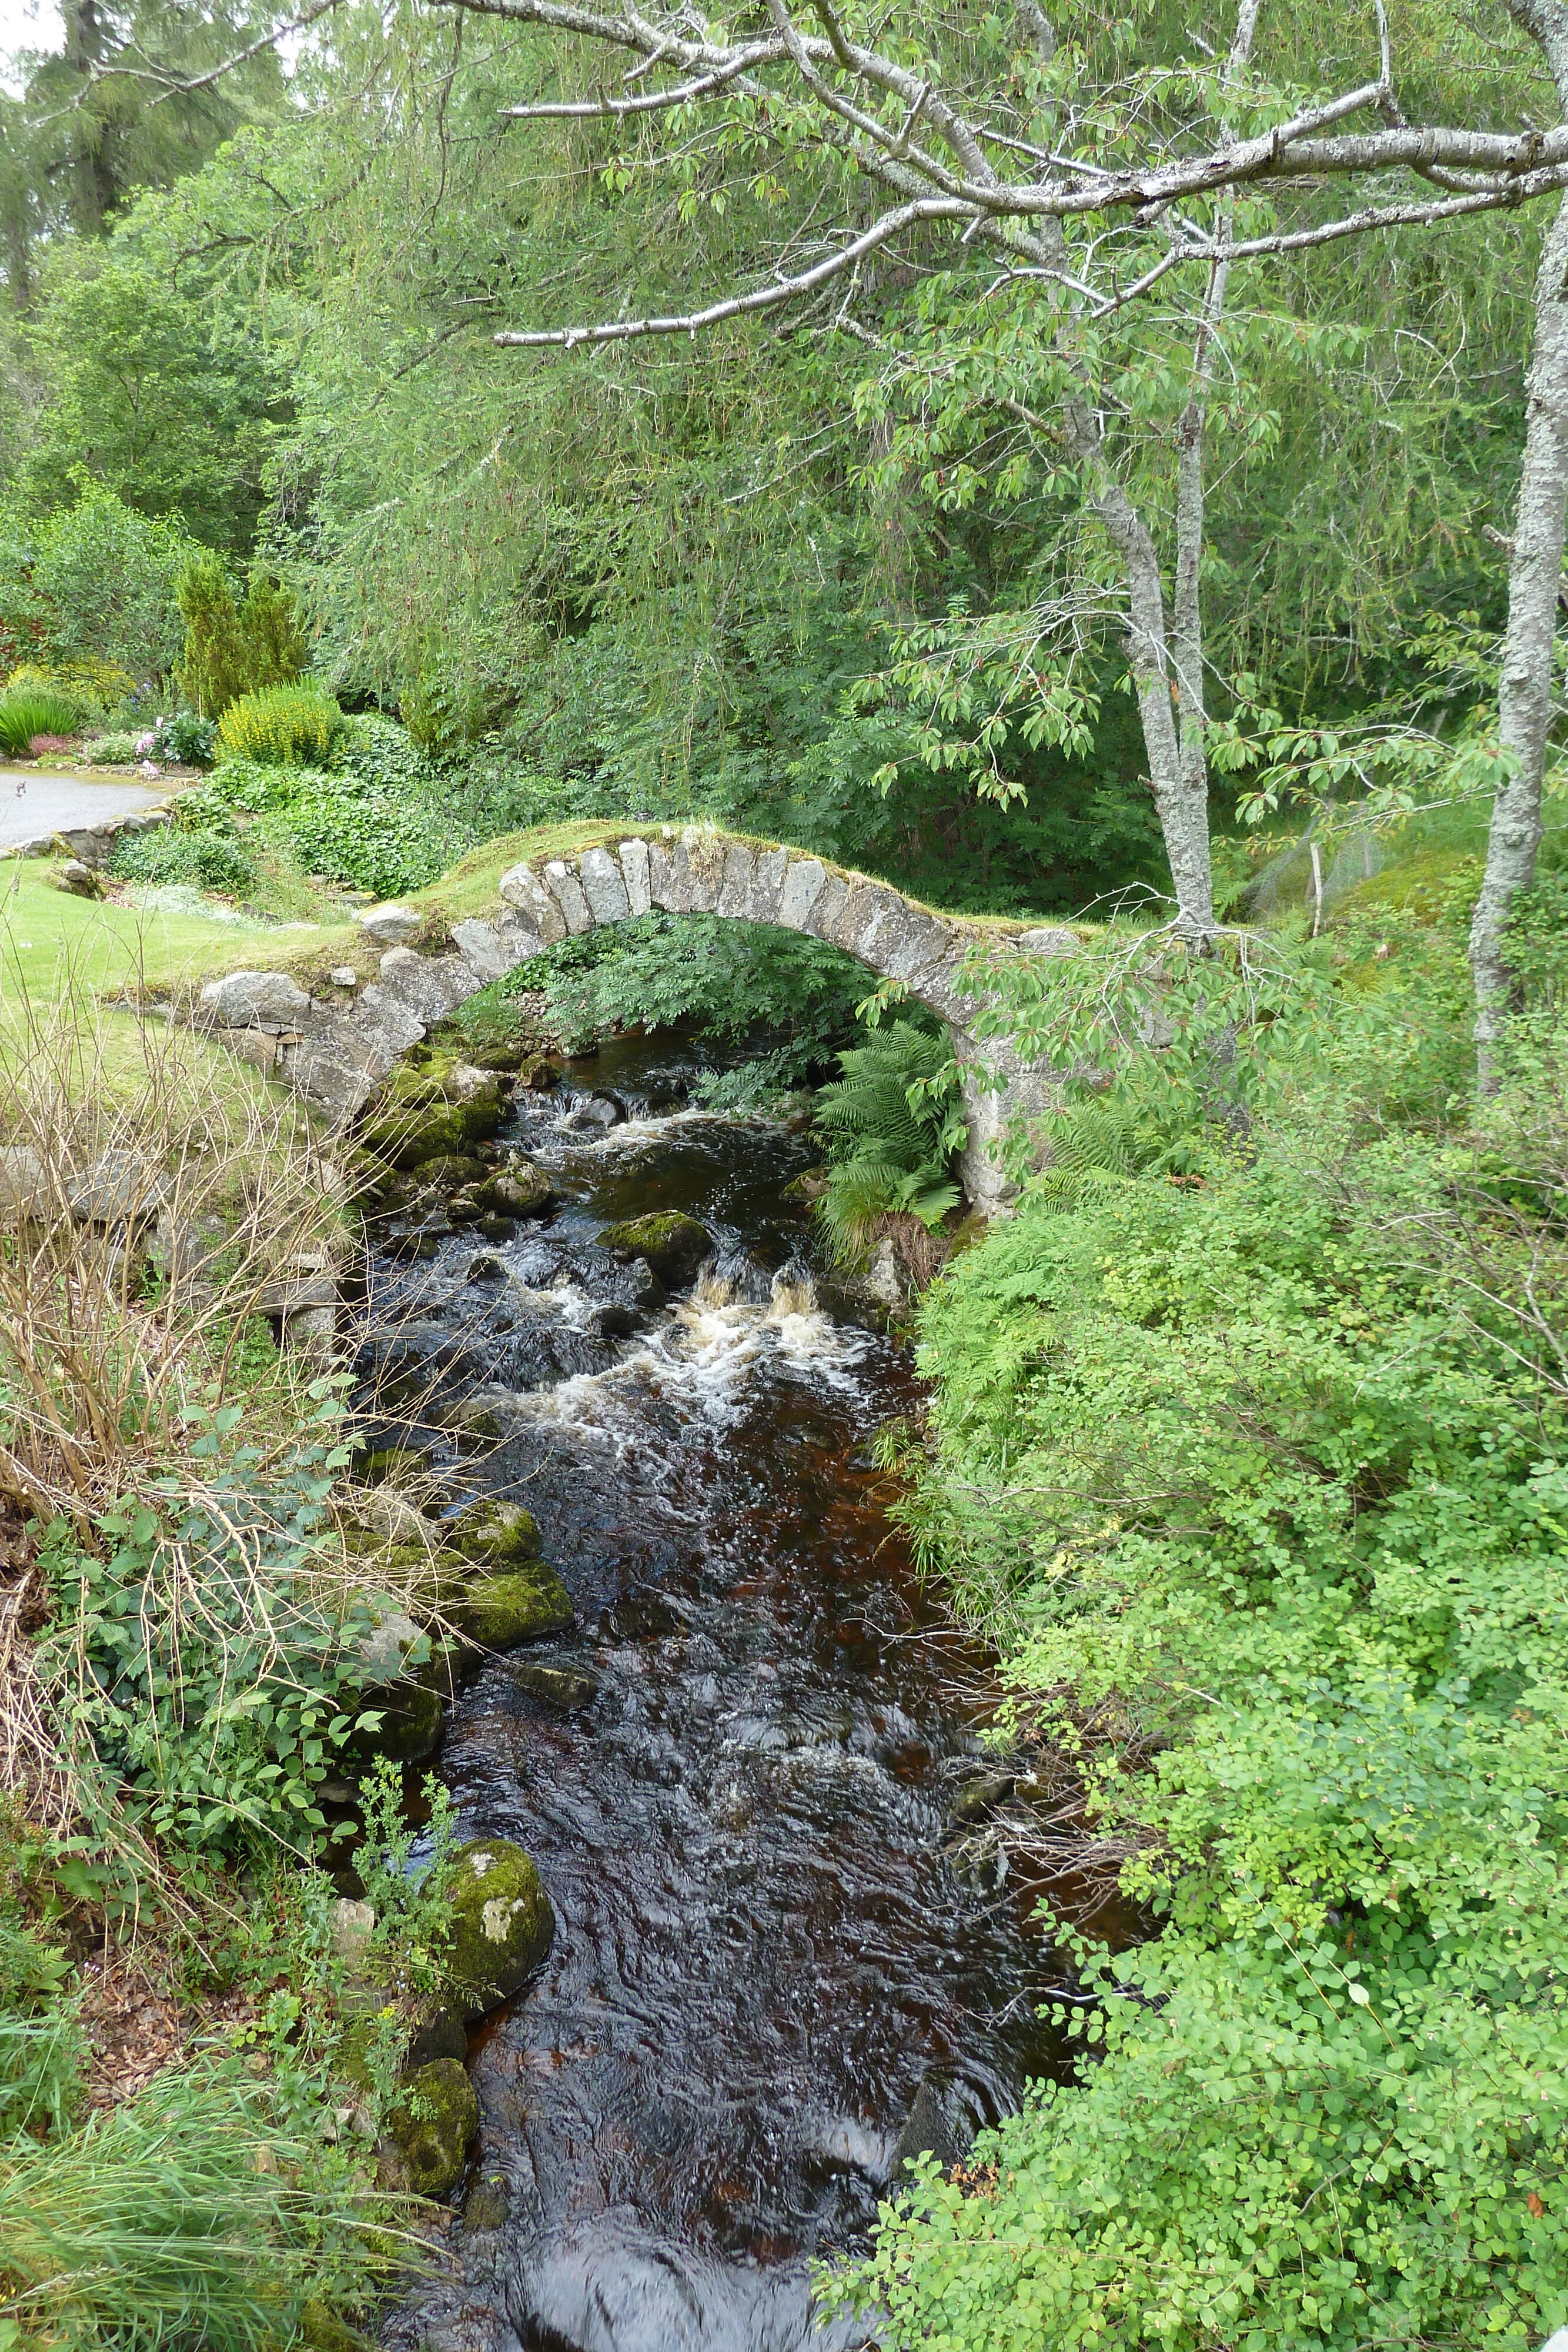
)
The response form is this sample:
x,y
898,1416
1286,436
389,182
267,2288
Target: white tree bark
x,y
1186,602
1535,571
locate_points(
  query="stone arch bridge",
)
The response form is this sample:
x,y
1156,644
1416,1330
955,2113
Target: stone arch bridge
x,y
338,1053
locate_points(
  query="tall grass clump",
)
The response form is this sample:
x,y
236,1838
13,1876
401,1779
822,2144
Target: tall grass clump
x,y
27,711
199,1665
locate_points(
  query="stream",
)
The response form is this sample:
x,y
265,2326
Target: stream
x,y
775,1941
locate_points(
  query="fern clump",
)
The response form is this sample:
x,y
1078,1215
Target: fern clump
x,y
891,1127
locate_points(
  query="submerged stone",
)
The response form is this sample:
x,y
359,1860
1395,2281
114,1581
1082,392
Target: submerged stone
x,y
500,1611
673,1245
567,1688
412,1722
501,1922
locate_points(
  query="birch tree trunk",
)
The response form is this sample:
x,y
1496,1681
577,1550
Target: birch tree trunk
x,y
1535,573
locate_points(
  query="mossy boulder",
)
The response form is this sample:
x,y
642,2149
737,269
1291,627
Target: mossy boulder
x,y
433,1110
518,1190
450,1175
528,1602
501,1924
494,1534
430,2127
673,1245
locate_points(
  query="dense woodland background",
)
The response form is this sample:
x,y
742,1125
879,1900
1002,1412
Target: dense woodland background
x,y
652,579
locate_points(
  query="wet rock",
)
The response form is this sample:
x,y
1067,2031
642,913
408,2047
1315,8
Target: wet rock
x,y
484,1268
501,1923
451,1173
614,1322
497,1229
978,1796
498,1612
518,1190
942,2123
647,1290
672,1246
595,1116
242,998
566,1688
430,1111
395,1466
430,2127
412,1720
471,1421
488,2205
495,1533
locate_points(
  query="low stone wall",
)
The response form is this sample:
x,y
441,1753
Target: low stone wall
x,y
338,1053
93,844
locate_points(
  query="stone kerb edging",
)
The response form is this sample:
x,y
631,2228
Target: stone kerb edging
x,y
338,1056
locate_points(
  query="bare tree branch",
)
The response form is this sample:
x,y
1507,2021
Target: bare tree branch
x,y
766,297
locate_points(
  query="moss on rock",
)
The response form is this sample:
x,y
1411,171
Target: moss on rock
x,y
529,1601
519,1190
433,1111
501,1923
675,1245
435,2117
494,1534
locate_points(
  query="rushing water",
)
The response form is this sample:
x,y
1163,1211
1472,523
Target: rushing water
x,y
768,1934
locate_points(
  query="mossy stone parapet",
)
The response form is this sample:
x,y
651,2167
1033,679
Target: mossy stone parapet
x,y
339,1055
501,1924
672,1245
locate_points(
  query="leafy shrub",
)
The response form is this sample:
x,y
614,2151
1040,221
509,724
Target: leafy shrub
x,y
215,858
96,689
891,1127
231,650
94,582
1257,1479
112,750
27,711
42,2045
203,1659
282,725
186,739
728,977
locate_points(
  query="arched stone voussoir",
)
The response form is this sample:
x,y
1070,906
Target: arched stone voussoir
x,y
344,1053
